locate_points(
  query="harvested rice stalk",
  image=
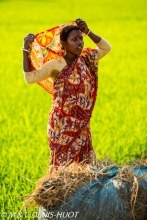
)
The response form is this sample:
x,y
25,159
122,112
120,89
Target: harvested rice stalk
x,y
56,186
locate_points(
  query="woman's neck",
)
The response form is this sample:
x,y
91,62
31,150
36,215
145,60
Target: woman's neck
x,y
69,58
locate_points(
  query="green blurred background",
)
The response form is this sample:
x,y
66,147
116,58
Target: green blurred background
x,y
119,122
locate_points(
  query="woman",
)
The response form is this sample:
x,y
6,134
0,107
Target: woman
x,y
74,76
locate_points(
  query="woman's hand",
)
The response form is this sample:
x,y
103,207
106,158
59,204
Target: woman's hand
x,y
82,25
28,41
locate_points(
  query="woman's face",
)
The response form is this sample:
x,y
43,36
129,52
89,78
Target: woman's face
x,y
74,43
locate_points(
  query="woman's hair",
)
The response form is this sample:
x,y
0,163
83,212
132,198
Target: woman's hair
x,y
66,31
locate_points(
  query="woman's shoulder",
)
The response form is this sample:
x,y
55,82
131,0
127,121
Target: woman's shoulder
x,y
90,53
56,64
56,61
88,50
51,62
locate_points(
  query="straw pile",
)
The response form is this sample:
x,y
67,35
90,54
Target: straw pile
x,y
122,191
54,187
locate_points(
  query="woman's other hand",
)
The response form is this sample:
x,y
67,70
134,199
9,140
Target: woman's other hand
x,y
28,41
82,25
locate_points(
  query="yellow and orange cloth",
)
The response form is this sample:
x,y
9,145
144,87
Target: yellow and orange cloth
x,y
45,47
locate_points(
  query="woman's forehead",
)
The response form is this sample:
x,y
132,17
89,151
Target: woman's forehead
x,y
75,33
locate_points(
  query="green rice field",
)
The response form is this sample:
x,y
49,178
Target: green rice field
x,y
119,121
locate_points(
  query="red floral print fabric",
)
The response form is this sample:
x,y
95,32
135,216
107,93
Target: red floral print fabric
x,y
74,96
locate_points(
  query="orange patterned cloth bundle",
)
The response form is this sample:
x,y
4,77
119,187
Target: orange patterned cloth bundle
x,y
45,47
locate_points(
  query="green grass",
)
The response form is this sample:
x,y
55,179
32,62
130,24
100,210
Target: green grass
x,y
119,122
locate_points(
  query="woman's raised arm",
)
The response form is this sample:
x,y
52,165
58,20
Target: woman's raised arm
x,y
27,43
48,69
103,46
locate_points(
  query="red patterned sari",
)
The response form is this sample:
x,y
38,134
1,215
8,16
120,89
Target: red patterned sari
x,y
74,97
74,94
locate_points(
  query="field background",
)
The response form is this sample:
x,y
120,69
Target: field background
x,y
119,122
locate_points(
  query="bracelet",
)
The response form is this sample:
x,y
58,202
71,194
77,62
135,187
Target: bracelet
x,y
25,50
88,32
